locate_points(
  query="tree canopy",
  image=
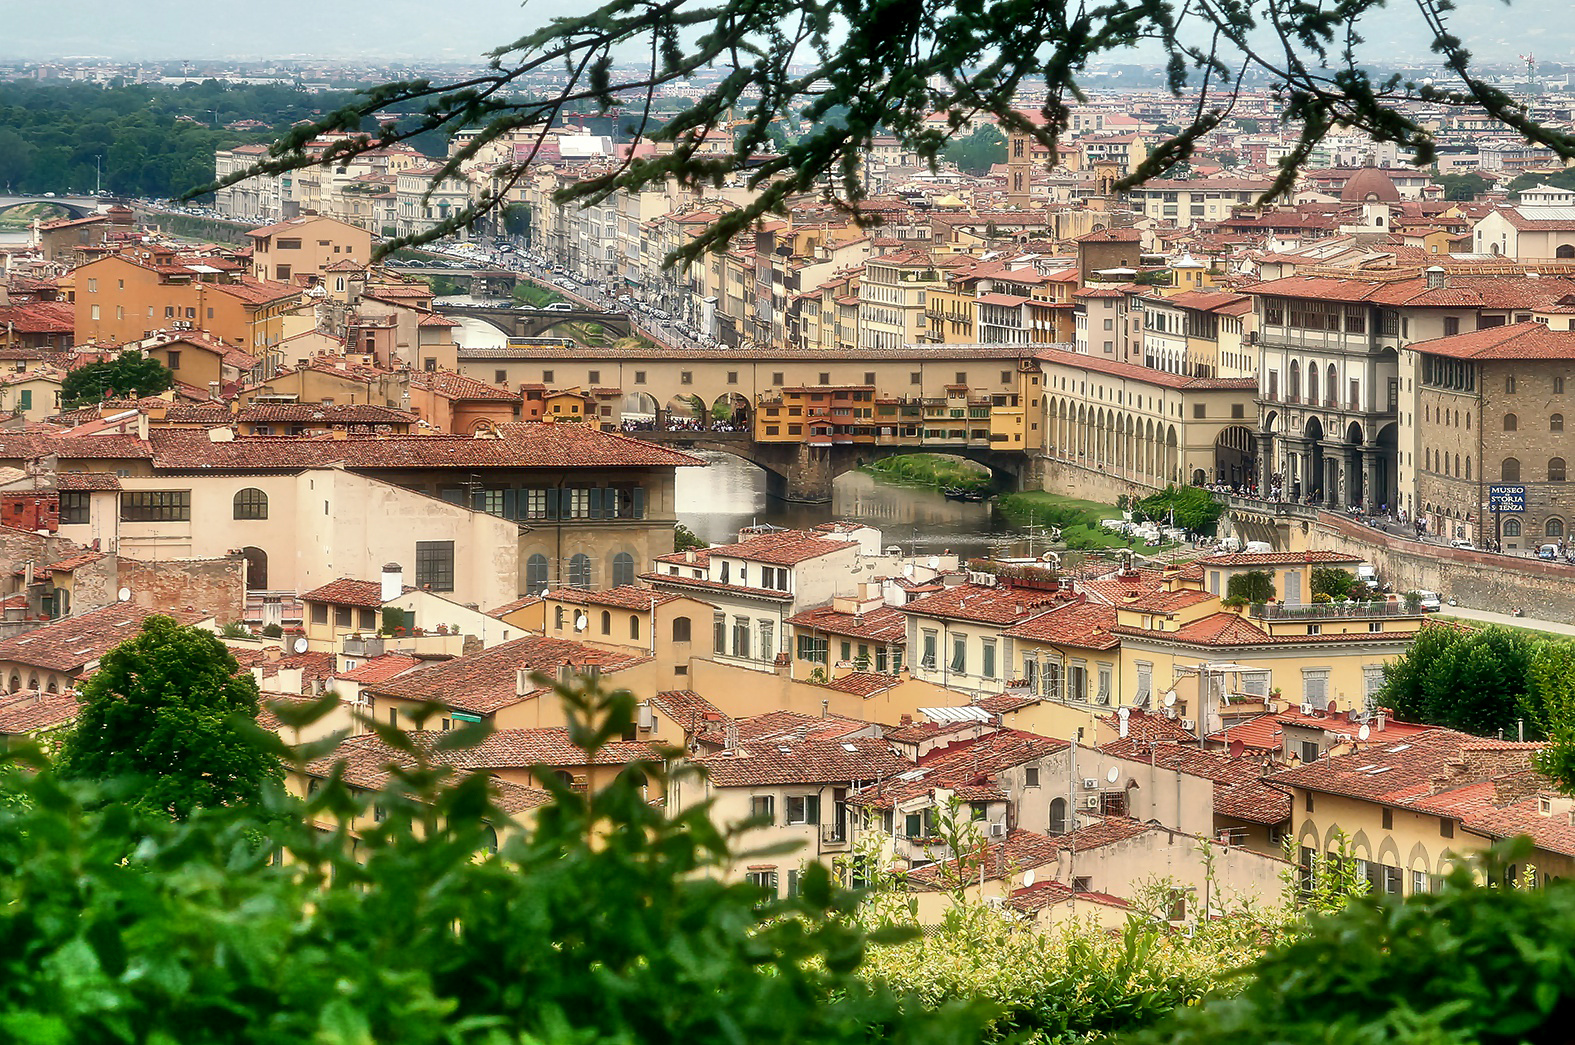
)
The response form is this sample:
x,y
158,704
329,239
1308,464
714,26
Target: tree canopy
x,y
979,151
163,709
1476,681
131,371
891,69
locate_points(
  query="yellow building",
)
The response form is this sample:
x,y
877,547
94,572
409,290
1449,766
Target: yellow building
x,y
299,251
1409,811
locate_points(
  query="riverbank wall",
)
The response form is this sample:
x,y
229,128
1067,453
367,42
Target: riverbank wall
x,y
1476,579
1053,475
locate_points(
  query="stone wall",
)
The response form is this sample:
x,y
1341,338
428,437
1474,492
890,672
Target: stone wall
x,y
212,586
1075,480
1475,579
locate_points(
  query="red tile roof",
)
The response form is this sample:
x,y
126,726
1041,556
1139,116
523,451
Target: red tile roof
x,y
1239,790
1047,893
22,714
1001,604
71,644
965,766
1513,341
365,762
810,761
1019,851
1278,559
884,624
381,669
1085,625
347,592
485,682
687,708
624,597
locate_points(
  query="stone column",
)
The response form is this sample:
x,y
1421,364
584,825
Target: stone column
x,y
1374,494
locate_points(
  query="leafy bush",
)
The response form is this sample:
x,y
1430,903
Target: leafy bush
x,y
1255,586
1475,681
272,631
604,921
1332,581
1192,507
684,538
1462,965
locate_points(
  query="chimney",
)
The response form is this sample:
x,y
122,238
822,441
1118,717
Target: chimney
x,y
213,390
522,683
1434,277
393,581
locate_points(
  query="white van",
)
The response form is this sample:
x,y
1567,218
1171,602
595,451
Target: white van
x,y
559,306
1257,548
1367,573
1431,603
1228,545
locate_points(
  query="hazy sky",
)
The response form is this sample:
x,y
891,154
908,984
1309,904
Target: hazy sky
x,y
464,29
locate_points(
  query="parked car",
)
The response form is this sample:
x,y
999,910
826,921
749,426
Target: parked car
x,y
1431,603
559,306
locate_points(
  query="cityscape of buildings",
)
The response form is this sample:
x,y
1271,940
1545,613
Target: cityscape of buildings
x,y
1370,375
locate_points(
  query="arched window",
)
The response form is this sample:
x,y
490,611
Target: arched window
x,y
1511,423
536,574
1554,527
606,622
1058,816
32,681
623,569
558,617
1556,470
256,568
1509,471
580,571
54,685
490,838
634,626
1296,380
1331,387
680,629
1556,422
250,503
1511,527
1468,468
1564,250
1312,382
16,679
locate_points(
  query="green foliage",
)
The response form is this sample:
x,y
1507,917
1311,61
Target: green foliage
x,y
128,372
164,709
1332,581
272,631
235,630
1194,508
534,295
1255,586
604,921
684,538
979,151
1564,179
1552,680
883,69
1463,187
1474,681
937,471
1234,602
1462,966
394,619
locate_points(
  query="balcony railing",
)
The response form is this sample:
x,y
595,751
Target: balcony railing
x,y
1333,611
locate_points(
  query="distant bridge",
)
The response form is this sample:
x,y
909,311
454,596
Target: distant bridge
x,y
805,472
79,206
487,278
529,322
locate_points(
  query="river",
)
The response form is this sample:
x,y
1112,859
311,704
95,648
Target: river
x,y
730,493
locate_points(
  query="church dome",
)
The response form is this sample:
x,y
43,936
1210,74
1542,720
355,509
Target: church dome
x,y
1369,185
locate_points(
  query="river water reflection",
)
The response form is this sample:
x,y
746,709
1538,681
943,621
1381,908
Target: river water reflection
x,y
716,501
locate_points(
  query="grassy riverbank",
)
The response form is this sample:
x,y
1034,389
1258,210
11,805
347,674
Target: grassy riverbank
x,y
936,471
1078,520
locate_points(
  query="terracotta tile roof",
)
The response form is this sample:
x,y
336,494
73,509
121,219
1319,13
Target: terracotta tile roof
x,y
1222,629
366,761
863,683
381,669
345,413
1277,559
522,445
74,562
1132,371
716,586
87,481
966,764
1239,789
523,748
39,317
1019,851
254,292
1006,703
811,761
624,597
1085,625
1145,726
71,644
31,446
458,386
1047,893
687,708
315,665
26,713
348,592
485,682
1403,772
1513,341
884,624
986,605
509,607
1107,831
783,548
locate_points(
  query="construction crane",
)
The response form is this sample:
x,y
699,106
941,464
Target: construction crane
x,y
1531,81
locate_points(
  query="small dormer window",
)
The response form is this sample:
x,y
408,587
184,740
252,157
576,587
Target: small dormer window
x,y
724,571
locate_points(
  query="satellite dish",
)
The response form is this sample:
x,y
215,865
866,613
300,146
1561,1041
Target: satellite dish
x,y
1123,713
300,645
581,622
1028,878
124,595
1365,732
1113,775
1170,698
